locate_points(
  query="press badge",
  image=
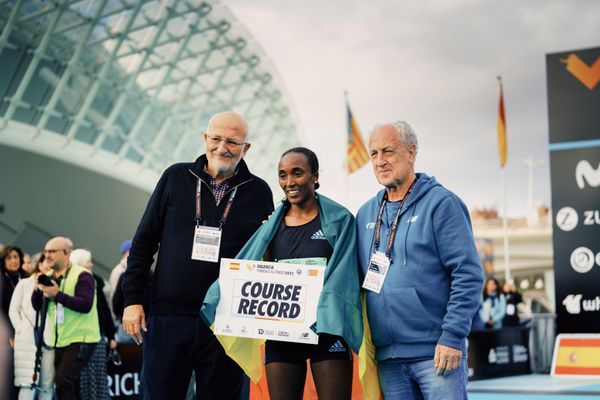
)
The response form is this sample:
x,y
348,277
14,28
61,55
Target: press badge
x,y
207,241
510,309
59,314
378,269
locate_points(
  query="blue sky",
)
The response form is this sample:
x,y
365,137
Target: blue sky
x,y
433,64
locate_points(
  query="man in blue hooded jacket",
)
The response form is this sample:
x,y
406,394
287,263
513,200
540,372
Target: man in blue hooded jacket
x,y
421,273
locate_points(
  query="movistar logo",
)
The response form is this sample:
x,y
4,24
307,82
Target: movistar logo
x,y
586,74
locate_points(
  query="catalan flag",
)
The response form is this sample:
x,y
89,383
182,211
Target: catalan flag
x,y
357,153
502,146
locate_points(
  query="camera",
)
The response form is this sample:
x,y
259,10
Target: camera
x,y
45,280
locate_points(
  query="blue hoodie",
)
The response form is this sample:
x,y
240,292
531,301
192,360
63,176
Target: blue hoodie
x,y
434,283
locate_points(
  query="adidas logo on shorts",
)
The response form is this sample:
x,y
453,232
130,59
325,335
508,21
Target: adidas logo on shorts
x,y
337,347
318,235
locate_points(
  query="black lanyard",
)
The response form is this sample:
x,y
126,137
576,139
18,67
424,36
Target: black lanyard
x,y
223,219
394,227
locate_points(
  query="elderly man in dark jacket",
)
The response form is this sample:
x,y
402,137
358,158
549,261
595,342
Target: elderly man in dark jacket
x,y
199,212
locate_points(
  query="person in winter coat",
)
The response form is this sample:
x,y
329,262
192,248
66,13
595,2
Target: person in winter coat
x,y
11,272
23,317
93,376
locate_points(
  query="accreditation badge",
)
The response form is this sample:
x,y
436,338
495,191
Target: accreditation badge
x,y
207,241
378,269
59,314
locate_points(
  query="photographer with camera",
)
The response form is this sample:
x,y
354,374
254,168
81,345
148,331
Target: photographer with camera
x,y
72,314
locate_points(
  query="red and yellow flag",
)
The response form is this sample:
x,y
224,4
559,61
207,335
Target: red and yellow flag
x,y
357,153
577,356
502,145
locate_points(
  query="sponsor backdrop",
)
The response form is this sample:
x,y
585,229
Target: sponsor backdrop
x,y
573,107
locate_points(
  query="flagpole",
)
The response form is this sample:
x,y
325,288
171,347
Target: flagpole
x,y
345,163
507,275
502,148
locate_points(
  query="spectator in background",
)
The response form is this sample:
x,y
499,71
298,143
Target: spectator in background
x,y
119,268
74,327
11,272
513,298
27,265
93,376
23,318
493,309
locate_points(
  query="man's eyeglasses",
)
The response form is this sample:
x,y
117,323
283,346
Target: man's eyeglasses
x,y
52,251
230,144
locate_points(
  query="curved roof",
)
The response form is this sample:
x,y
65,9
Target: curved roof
x,y
134,82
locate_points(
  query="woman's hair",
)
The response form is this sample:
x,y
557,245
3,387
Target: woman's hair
x,y
6,251
498,287
313,161
38,262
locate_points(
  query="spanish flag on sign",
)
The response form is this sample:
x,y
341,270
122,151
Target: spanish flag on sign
x,y
357,153
577,355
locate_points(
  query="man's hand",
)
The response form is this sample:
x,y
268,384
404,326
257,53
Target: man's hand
x,y
134,321
49,291
112,344
446,359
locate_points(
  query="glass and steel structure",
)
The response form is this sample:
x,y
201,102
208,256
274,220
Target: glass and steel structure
x,y
129,85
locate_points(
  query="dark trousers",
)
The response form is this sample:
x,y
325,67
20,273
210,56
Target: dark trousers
x,y
176,345
68,363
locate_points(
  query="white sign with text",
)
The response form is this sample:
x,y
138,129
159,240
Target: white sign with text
x,y
268,300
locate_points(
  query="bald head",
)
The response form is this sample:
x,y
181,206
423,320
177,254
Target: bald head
x,y
230,121
57,251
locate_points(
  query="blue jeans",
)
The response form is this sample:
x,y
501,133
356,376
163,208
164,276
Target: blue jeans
x,y
417,380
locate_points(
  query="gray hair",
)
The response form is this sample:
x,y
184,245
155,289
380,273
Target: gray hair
x,y
406,132
80,257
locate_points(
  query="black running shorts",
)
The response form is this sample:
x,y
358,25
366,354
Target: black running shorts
x,y
330,347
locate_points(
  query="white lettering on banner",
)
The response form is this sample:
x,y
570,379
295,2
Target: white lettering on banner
x,y
268,300
591,217
585,173
520,353
127,384
591,305
499,355
575,304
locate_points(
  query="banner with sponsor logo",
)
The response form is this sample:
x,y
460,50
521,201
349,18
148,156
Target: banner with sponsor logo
x,y
123,377
268,300
573,79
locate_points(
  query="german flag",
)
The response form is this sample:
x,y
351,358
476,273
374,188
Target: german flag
x,y
502,145
357,153
578,356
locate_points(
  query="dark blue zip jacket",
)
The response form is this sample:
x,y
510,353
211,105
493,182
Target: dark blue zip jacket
x,y
180,283
434,283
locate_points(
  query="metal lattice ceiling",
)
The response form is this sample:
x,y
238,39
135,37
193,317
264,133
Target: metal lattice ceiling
x,y
138,79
